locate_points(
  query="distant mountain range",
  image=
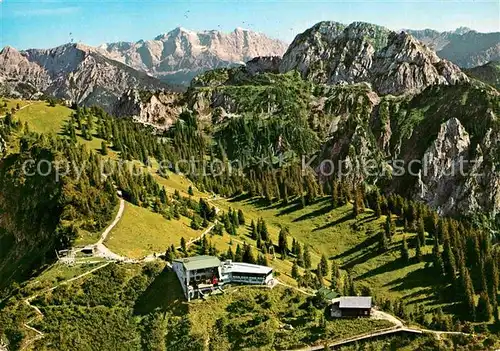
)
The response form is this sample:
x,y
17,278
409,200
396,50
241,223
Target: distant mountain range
x,y
72,72
465,47
177,56
101,75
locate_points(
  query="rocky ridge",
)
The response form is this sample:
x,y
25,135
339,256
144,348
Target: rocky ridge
x,y
181,54
72,72
394,63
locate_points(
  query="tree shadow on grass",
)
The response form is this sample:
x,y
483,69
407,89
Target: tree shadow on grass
x,y
319,212
347,216
360,247
424,278
164,294
291,208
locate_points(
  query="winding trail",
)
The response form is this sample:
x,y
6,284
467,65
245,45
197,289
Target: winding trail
x,y
39,314
22,108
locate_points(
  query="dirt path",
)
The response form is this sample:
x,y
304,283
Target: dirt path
x,y
294,288
22,108
39,313
119,216
377,314
102,250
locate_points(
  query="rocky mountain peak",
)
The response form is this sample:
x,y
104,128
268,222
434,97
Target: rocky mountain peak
x,y
179,55
394,63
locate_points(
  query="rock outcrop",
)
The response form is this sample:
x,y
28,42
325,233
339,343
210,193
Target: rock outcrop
x,y
454,177
265,64
394,63
159,109
178,56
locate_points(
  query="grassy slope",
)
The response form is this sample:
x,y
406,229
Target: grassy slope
x,y
11,103
141,232
154,233
352,243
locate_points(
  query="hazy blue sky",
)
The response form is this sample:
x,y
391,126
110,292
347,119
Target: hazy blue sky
x,y
48,23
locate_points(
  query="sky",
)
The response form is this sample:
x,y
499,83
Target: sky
x,y
48,23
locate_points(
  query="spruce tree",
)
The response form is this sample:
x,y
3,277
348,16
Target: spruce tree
x,y
484,311
377,204
238,255
418,249
248,255
230,254
241,217
450,266
295,271
307,258
405,254
283,241
183,246
335,277
323,265
421,230
335,194
468,293
382,242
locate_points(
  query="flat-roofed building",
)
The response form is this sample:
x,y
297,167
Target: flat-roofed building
x,y
246,273
200,275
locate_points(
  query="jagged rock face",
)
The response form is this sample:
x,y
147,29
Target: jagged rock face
x,y
454,182
157,109
393,63
181,54
266,64
16,70
75,73
464,47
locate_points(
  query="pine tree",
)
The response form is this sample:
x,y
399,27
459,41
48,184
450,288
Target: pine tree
x,y
295,271
307,258
323,266
382,243
238,256
484,311
183,246
241,217
418,249
283,241
405,254
190,191
468,293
